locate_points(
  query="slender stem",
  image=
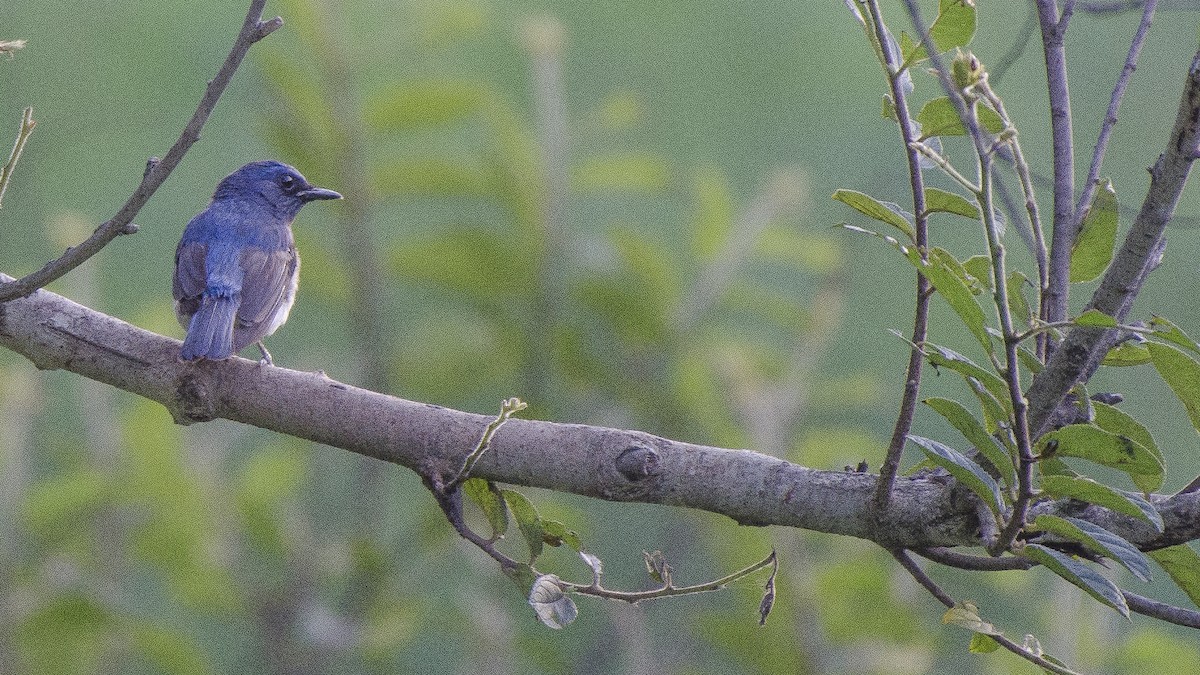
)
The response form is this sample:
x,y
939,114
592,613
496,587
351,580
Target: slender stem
x,y
1162,611
945,165
667,590
253,30
27,125
943,597
1110,119
1054,300
912,377
974,563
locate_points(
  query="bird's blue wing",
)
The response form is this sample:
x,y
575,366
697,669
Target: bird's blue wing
x,y
268,290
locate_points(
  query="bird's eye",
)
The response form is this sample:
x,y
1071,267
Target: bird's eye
x,y
288,183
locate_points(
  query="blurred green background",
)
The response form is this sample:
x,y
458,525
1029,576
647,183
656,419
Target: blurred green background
x,y
618,211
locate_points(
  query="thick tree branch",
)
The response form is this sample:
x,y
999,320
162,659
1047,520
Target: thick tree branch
x,y
253,30
1081,352
612,464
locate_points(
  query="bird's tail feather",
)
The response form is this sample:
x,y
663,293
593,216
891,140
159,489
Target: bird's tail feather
x,y
210,333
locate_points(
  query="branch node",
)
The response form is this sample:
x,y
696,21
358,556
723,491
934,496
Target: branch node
x,y
638,462
267,27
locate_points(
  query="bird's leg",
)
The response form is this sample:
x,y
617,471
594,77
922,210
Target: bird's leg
x,y
266,355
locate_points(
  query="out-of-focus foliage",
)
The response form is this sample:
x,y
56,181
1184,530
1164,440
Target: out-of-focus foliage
x,y
647,256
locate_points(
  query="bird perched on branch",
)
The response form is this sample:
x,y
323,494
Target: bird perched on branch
x,y
236,267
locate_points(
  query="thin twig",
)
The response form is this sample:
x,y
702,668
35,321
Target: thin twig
x,y
974,563
1054,300
1110,118
912,377
1161,610
667,589
27,125
943,597
253,30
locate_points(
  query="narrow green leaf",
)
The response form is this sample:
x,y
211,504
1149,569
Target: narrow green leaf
x,y
947,277
964,471
971,429
939,118
1018,306
1116,421
1182,564
1168,331
489,499
941,201
1182,373
1097,539
944,357
1088,490
1094,444
1093,247
1080,575
884,212
528,520
1096,319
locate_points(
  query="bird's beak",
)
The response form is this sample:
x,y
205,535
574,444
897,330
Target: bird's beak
x,y
313,194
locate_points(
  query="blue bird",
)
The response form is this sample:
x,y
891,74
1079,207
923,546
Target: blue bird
x,y
236,267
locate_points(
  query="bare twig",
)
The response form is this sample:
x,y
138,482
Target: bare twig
x,y
974,563
1110,118
943,597
1161,610
1053,28
912,377
27,125
668,589
253,30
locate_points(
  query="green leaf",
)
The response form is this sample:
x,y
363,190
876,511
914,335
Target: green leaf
x,y
1182,373
964,471
1080,575
971,429
1094,318
1093,247
1171,333
1114,420
939,118
954,25
1088,490
1182,564
941,201
1018,306
1128,353
425,103
490,500
555,533
944,357
528,520
885,212
635,171
1097,539
554,608
966,615
982,644
1094,444
948,279
980,269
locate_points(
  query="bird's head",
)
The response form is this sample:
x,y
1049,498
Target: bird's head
x,y
272,185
